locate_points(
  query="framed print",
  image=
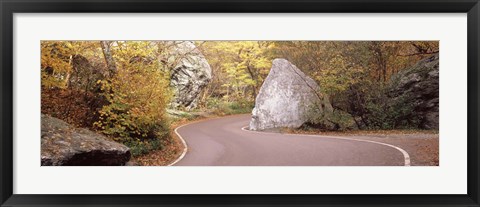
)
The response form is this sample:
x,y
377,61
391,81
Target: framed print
x,y
238,103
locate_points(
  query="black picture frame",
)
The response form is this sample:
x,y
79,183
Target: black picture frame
x,y
10,7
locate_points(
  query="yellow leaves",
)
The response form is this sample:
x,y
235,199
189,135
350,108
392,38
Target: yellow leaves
x,y
242,65
138,95
56,59
69,45
125,51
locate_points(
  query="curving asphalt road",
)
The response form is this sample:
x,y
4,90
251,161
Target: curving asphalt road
x,y
223,142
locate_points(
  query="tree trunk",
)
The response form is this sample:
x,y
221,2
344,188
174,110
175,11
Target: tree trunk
x,y
70,63
112,68
254,77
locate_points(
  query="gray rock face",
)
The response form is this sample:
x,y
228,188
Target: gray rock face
x,y
418,88
84,75
63,144
286,98
190,74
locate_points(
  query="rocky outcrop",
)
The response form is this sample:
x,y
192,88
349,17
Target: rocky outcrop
x,y
286,98
417,88
189,75
84,75
62,144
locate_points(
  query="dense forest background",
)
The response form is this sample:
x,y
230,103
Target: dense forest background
x,y
123,88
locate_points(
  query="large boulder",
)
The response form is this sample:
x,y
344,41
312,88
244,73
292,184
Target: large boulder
x,y
84,74
190,73
287,98
62,144
416,89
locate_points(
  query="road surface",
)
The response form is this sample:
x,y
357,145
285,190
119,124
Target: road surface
x,y
223,142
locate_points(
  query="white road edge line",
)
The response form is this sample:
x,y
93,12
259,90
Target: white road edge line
x,y
405,154
185,146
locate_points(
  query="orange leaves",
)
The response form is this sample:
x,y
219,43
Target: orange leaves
x,y
75,107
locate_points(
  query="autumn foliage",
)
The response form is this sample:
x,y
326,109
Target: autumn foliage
x,y
127,104
122,88
78,108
